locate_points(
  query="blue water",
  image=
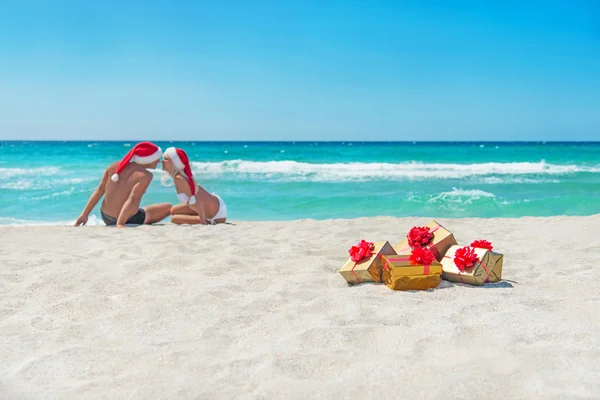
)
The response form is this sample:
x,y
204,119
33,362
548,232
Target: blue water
x,y
50,182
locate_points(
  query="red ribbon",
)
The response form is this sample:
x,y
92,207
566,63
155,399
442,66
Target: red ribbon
x,y
459,271
430,232
419,256
487,271
465,257
422,256
361,250
419,236
468,252
482,244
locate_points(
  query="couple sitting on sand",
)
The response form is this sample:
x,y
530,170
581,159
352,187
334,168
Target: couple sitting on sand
x,y
129,180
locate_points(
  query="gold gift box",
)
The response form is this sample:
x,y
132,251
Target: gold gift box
x,y
488,269
442,240
400,274
368,269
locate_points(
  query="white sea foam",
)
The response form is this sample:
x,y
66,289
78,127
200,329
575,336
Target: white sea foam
x,y
64,193
7,173
34,183
293,170
17,185
10,221
467,193
461,196
516,179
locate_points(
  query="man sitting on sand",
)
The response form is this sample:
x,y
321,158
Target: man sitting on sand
x,y
123,192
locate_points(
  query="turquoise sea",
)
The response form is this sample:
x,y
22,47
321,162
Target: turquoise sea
x,y
50,182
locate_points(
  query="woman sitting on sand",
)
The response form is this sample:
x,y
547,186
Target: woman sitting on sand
x,y
197,205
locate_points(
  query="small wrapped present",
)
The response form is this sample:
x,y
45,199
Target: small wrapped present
x,y
364,264
432,236
472,265
496,259
417,271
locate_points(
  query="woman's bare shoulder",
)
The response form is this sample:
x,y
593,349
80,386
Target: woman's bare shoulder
x,y
181,184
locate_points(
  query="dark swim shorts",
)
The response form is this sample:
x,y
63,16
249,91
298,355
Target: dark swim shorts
x,y
136,219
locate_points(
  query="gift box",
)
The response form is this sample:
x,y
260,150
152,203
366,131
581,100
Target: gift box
x,y
432,236
472,265
402,272
369,268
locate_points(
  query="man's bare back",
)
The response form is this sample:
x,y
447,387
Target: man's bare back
x,y
116,194
124,190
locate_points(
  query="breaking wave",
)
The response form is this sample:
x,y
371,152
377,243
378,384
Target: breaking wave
x,y
461,196
7,173
294,170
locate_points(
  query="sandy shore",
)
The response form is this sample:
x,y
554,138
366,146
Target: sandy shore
x,y
258,310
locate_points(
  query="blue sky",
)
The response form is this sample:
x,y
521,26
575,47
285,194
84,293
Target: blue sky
x,y
293,70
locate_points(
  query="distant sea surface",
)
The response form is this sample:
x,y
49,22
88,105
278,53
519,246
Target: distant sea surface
x,y
50,182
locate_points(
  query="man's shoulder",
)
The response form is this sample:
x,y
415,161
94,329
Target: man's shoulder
x,y
144,173
139,173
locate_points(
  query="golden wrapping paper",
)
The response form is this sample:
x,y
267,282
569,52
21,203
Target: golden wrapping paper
x,y
400,274
442,240
368,269
497,260
488,269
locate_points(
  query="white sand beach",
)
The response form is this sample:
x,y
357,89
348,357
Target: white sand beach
x,y
258,310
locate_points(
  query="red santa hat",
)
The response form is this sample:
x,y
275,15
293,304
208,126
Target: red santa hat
x,y
141,153
182,162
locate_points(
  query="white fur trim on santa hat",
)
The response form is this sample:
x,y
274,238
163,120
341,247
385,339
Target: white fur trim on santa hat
x,y
147,159
141,160
171,154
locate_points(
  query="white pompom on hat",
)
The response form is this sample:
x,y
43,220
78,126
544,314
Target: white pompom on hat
x,y
141,153
182,162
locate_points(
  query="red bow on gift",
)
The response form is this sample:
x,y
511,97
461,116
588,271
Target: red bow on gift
x,y
465,257
419,236
422,256
361,250
482,244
